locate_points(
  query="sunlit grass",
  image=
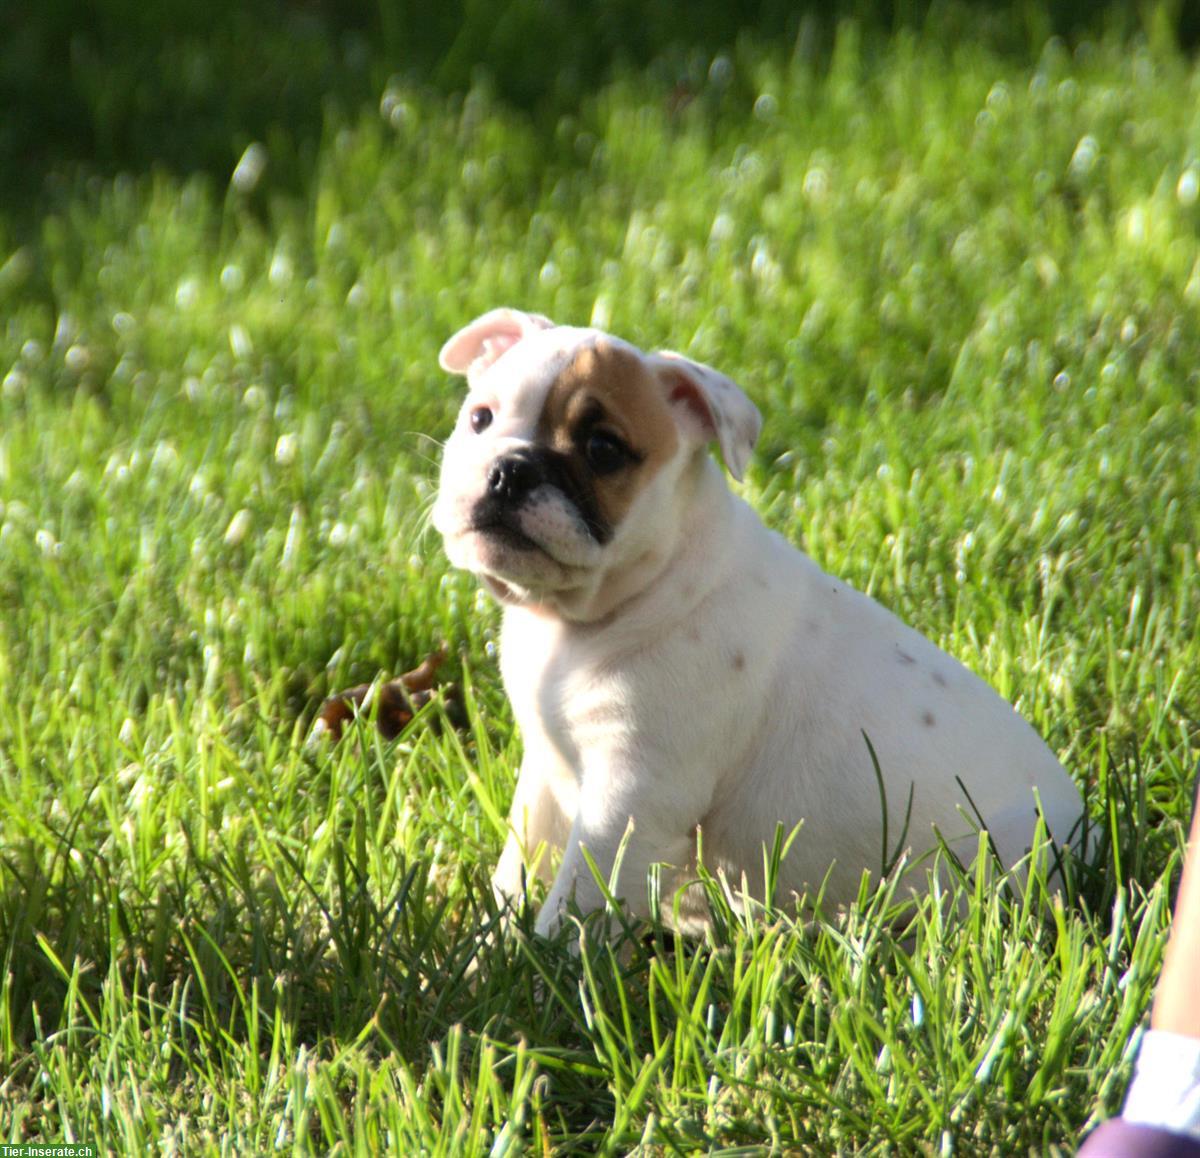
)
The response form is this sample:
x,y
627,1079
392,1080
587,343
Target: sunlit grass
x,y
963,288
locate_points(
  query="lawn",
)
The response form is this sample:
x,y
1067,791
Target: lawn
x,y
961,277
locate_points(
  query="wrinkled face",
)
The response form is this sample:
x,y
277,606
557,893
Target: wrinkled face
x,y
549,477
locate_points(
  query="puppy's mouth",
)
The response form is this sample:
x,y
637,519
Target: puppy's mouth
x,y
541,540
501,530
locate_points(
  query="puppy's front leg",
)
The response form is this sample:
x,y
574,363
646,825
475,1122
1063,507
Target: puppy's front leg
x,y
645,843
538,822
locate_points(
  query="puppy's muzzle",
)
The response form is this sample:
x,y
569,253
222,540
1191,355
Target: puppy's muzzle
x,y
511,483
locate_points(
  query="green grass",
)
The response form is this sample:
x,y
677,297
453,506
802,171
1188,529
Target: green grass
x,y
963,286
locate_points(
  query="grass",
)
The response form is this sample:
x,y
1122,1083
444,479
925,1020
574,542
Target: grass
x,y
962,283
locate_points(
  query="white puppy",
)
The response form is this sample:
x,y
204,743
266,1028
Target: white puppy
x,y
679,672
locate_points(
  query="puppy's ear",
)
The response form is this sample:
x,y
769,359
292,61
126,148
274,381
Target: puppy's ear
x,y
709,405
478,344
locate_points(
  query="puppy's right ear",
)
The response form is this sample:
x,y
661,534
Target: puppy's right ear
x,y
478,344
710,406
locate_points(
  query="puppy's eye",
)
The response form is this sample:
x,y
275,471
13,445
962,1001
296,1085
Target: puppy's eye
x,y
606,453
481,419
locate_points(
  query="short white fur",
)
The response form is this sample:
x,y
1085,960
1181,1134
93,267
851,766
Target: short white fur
x,y
699,674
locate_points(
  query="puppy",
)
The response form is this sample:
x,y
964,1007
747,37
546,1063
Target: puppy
x,y
681,674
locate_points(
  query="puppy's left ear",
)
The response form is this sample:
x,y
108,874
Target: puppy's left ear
x,y
479,343
710,406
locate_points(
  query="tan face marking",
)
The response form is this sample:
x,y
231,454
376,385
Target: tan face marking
x,y
609,389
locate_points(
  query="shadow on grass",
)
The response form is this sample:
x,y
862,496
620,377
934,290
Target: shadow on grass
x,y
221,959
120,85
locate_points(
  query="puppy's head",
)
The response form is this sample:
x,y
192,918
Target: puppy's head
x,y
568,466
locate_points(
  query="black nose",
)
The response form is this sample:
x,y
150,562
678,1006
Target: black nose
x,y
511,478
